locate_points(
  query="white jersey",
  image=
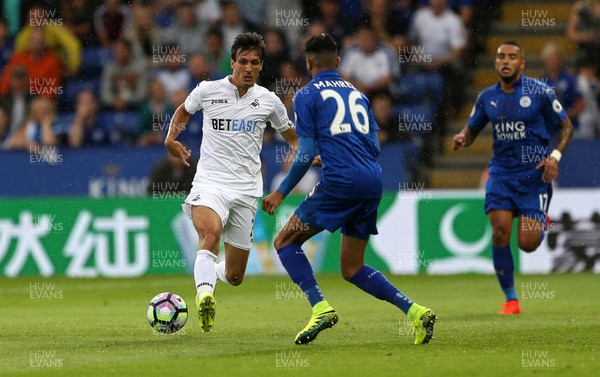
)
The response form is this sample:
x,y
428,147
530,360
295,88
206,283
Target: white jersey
x,y
233,130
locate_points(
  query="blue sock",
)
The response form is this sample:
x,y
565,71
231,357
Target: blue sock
x,y
374,283
503,264
298,267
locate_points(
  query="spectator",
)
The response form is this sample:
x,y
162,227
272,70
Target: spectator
x,y
16,103
145,33
584,28
111,22
173,75
79,19
155,115
13,14
124,80
276,48
186,32
390,25
169,175
4,127
441,38
277,11
336,26
464,8
208,12
255,12
310,179
589,87
39,128
562,82
292,79
383,107
371,65
232,22
199,70
58,39
218,57
6,43
42,66
84,129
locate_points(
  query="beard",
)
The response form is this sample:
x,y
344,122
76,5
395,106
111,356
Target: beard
x,y
510,79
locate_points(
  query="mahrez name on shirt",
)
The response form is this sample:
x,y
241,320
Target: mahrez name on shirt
x,y
333,84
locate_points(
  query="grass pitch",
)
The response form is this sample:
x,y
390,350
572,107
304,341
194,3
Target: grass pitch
x,y
98,327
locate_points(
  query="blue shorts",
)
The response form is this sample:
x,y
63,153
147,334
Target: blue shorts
x,y
356,217
526,197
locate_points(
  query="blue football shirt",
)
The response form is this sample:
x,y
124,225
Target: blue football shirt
x,y
339,118
565,89
523,122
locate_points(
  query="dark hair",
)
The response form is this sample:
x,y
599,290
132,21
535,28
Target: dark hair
x,y
512,42
215,31
248,42
322,43
322,49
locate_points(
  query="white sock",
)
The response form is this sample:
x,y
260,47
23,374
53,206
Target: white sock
x,y
221,272
204,272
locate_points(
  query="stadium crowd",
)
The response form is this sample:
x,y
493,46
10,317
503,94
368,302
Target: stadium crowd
x,y
80,73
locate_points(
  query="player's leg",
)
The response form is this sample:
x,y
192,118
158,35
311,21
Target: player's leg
x,y
208,224
356,233
501,221
288,244
533,219
237,236
530,233
231,270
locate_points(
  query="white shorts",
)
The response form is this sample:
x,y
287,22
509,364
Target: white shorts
x,y
237,212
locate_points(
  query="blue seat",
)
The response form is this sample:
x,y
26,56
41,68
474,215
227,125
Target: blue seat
x,y
128,122
415,119
413,88
192,135
92,61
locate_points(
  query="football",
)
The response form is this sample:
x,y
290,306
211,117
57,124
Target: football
x,y
167,313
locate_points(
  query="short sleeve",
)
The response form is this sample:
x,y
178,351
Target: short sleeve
x,y
278,116
478,118
193,102
552,109
305,125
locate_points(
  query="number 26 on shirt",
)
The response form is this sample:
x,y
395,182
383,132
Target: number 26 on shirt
x,y
356,109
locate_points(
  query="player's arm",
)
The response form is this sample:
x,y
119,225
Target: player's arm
x,y
465,137
302,162
291,138
180,118
476,122
550,164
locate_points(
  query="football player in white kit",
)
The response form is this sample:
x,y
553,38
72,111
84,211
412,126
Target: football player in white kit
x,y
223,201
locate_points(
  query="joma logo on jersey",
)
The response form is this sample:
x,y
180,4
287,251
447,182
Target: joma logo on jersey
x,y
213,101
233,125
509,130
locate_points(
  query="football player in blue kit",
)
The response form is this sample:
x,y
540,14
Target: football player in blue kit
x,y
334,117
524,113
